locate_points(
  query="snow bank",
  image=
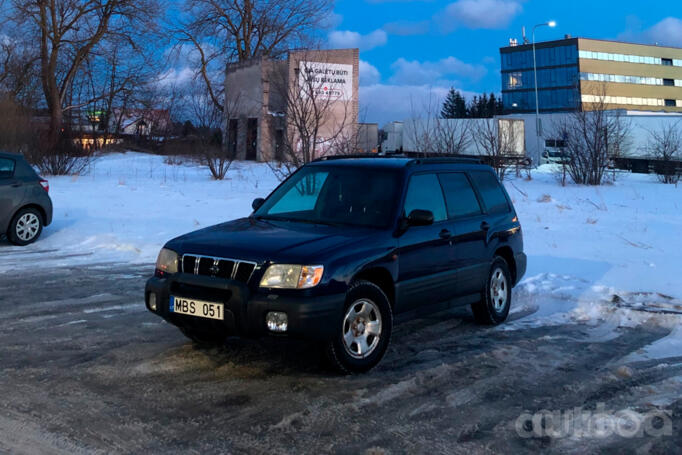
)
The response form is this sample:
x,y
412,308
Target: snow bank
x,y
126,206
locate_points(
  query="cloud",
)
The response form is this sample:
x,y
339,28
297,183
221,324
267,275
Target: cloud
x,y
666,32
343,39
176,77
407,28
332,20
399,1
369,74
479,14
413,72
383,103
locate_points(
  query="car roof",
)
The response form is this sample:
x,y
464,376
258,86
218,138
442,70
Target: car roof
x,y
14,156
402,161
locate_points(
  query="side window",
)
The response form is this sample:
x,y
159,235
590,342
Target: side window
x,y
459,195
6,168
491,191
424,193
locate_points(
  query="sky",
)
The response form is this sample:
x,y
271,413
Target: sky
x,y
412,52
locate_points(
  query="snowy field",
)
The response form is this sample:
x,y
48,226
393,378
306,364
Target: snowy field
x,y
581,241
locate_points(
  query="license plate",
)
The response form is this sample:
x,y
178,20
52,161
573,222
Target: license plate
x,y
197,308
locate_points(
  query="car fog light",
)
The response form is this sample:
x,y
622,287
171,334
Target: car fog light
x,y
152,301
277,321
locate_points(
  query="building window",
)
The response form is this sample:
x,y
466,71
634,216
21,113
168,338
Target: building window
x,y
515,80
608,99
630,79
629,58
670,103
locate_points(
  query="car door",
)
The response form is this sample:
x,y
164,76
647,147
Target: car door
x,y
425,273
496,208
468,225
12,191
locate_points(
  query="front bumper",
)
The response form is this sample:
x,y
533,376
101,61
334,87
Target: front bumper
x,y
309,317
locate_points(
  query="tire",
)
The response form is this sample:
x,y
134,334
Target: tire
x,y
366,304
204,338
494,306
25,227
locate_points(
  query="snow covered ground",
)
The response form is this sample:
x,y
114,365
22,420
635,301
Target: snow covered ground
x,y
622,236
126,206
594,252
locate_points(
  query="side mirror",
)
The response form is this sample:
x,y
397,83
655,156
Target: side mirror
x,y
419,217
256,204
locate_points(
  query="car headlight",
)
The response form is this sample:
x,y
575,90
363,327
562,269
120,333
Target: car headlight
x,y
289,276
167,262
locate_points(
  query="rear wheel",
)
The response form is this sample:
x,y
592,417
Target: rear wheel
x,y
494,306
365,331
204,338
25,227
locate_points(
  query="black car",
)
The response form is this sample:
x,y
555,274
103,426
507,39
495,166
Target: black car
x,y
341,248
25,206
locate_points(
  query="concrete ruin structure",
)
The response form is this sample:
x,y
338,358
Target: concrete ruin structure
x,y
265,97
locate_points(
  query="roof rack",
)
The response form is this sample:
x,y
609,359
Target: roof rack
x,y
415,157
354,155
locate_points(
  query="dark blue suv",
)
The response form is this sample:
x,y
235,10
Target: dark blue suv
x,y
340,249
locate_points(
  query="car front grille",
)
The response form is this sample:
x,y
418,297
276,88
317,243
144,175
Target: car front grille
x,y
233,269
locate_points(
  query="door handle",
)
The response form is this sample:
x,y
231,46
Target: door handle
x,y
444,234
485,226
16,185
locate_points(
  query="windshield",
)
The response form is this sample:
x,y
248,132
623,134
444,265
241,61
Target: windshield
x,y
334,195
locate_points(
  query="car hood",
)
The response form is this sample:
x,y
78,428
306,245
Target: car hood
x,y
261,240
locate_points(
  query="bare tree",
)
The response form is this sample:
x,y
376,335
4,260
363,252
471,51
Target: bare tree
x,y
319,118
209,117
429,134
665,144
498,139
18,75
68,33
222,31
593,136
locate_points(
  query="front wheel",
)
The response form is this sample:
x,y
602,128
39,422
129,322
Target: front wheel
x,y
365,331
494,306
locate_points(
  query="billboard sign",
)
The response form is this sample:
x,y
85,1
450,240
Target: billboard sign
x,y
326,80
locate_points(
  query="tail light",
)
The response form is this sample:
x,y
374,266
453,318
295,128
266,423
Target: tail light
x,y
45,184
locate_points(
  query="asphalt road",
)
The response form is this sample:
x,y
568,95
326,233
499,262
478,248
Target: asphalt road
x,y
84,368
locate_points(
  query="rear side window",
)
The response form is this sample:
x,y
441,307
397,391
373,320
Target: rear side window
x,y
6,168
424,193
460,198
491,191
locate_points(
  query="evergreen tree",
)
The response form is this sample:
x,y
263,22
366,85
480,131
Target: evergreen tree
x,y
460,106
472,111
454,105
483,107
491,109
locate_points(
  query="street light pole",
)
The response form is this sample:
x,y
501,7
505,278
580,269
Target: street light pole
x,y
535,76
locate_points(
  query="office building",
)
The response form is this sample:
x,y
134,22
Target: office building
x,y
578,73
